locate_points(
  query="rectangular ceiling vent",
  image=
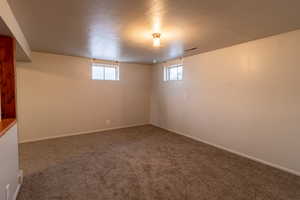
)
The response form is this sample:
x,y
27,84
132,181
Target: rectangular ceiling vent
x,y
191,49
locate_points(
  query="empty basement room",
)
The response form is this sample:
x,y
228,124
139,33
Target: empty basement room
x,y
150,100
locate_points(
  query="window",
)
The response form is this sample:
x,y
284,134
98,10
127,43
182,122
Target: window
x,y
173,72
105,72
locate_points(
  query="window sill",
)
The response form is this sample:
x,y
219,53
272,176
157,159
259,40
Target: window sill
x,y
5,125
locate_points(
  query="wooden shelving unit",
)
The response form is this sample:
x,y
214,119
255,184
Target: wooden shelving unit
x,y
7,83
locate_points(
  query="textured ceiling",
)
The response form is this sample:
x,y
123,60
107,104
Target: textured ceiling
x,y
121,29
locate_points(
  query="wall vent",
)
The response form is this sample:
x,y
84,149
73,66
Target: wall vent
x,y
191,49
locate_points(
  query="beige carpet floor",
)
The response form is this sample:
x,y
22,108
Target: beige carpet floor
x,y
145,163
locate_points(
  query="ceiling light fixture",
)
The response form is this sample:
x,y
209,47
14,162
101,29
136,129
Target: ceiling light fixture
x,y
156,39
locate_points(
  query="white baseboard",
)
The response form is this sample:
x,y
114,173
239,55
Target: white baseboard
x,y
17,192
81,133
235,152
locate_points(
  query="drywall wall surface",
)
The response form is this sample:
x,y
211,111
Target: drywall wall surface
x,y
56,97
9,170
244,98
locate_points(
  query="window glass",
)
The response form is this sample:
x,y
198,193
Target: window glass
x,y
105,72
97,73
110,73
179,73
173,72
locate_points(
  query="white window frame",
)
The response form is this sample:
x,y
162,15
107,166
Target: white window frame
x,y
105,66
167,72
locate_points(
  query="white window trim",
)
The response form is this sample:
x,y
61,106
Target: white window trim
x,y
104,66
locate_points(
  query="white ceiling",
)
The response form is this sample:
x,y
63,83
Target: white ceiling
x,y
121,29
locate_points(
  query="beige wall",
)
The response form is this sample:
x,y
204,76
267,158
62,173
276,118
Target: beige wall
x,y
9,170
56,97
245,98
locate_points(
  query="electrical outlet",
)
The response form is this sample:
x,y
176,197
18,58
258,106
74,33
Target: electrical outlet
x,y
7,192
107,122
